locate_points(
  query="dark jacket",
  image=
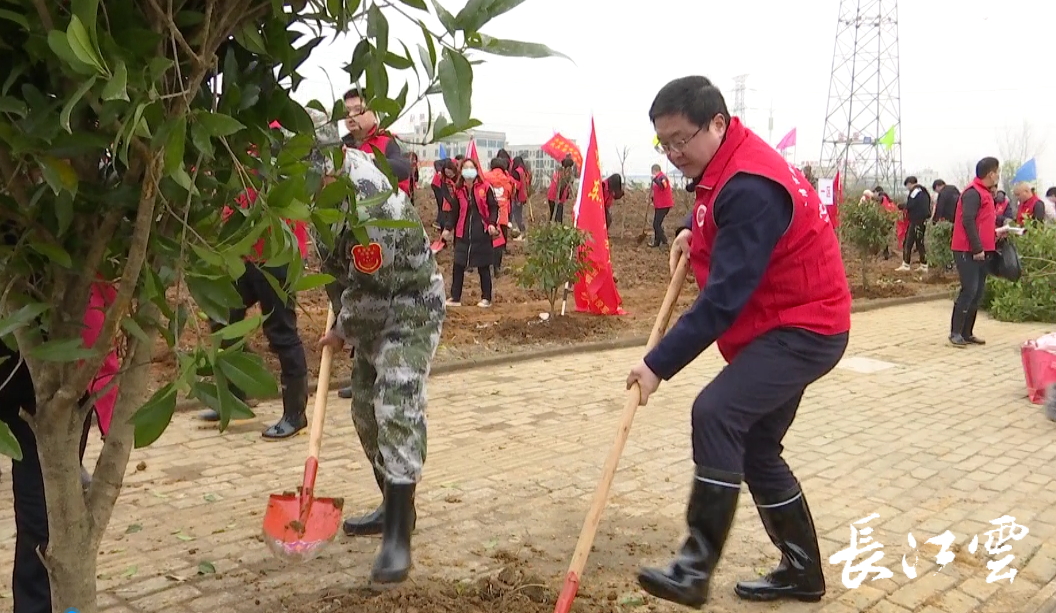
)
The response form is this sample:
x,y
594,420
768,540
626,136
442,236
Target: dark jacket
x,y
474,248
946,203
918,204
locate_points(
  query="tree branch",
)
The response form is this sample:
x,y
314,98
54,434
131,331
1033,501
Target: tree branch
x,y
45,15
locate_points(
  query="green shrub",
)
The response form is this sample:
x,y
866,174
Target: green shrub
x,y
1033,297
937,240
556,254
866,228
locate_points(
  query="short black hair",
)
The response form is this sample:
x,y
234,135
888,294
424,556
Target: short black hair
x,y
910,180
353,93
657,168
986,166
567,162
503,154
460,157
696,98
615,183
1051,192
500,163
938,184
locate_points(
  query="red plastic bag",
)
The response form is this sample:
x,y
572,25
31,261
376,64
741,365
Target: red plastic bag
x,y
1039,366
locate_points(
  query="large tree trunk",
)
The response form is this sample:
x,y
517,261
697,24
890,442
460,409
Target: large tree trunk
x,y
77,521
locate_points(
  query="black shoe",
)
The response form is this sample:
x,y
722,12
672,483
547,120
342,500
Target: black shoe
x,y
974,340
969,329
294,404
709,515
374,522
394,560
799,575
957,322
345,392
213,416
86,479
958,341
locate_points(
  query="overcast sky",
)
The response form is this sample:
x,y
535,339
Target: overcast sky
x,y
972,72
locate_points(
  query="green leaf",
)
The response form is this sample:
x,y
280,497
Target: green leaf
x,y
456,82
67,109
218,124
56,254
132,327
61,350
87,11
16,18
214,296
59,174
417,4
206,568
154,416
117,87
82,46
446,19
21,318
250,39
378,29
60,44
239,329
248,373
310,282
175,146
514,48
133,528
9,444
13,106
63,211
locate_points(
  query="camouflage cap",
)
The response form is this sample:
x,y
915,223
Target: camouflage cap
x,y
326,134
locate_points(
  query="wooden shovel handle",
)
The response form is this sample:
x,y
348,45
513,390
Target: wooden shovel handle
x,y
322,389
634,398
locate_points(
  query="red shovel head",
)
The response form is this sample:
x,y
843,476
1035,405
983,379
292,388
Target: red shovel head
x,y
438,245
298,526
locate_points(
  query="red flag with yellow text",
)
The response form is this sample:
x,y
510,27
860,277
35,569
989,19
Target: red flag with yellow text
x,y
595,290
559,146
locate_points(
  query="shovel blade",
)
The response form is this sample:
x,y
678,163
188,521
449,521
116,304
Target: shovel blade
x,y
296,538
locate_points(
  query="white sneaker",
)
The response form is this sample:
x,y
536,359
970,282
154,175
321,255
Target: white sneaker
x,y
484,304
922,268
453,303
903,268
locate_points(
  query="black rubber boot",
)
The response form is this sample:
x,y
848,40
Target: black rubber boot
x,y
799,575
86,479
374,522
394,560
969,329
345,392
957,329
294,404
709,515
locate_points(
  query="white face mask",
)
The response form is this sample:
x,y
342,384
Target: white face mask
x,y
469,174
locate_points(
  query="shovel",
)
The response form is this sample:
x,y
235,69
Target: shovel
x,y
645,231
601,494
298,526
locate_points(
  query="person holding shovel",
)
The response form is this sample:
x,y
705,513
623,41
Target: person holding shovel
x,y
388,296
663,199
775,299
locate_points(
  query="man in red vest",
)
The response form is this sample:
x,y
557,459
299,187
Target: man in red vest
x,y
663,198
974,237
1030,206
775,298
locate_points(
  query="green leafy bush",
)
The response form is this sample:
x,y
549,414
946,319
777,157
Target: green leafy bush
x,y
937,240
556,255
1033,297
866,228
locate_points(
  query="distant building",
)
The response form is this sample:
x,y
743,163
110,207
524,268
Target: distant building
x,y
488,145
543,165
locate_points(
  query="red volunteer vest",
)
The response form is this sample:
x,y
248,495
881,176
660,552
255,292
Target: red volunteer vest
x,y
521,178
985,221
381,139
805,285
1026,210
663,195
479,199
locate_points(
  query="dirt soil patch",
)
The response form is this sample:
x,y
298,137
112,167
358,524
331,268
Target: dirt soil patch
x,y
513,323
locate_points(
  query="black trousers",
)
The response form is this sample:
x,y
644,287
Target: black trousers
x,y
458,279
501,251
608,217
439,195
659,238
30,587
280,324
557,211
973,286
741,417
915,238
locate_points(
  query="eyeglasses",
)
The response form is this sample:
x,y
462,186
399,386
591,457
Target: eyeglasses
x,y
677,146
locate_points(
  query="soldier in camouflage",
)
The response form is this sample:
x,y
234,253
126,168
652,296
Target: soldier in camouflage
x,y
389,300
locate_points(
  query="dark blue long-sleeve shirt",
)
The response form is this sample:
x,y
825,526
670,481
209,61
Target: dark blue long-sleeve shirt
x,y
752,214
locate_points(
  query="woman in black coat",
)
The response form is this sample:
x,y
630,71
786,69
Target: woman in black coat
x,y
472,215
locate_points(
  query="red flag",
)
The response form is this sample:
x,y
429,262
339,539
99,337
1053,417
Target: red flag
x,y
595,290
837,200
559,146
471,153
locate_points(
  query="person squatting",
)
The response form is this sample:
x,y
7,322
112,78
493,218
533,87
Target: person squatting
x,y
388,297
775,299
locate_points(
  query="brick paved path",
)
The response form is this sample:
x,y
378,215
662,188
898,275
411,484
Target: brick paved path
x,y
929,437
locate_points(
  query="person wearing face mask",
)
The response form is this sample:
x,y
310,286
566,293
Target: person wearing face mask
x,y
775,298
472,223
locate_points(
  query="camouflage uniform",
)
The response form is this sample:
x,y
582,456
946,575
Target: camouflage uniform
x,y
390,309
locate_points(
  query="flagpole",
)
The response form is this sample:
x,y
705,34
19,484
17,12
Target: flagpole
x,y
575,211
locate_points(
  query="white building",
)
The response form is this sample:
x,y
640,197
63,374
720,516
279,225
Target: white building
x,y
488,145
